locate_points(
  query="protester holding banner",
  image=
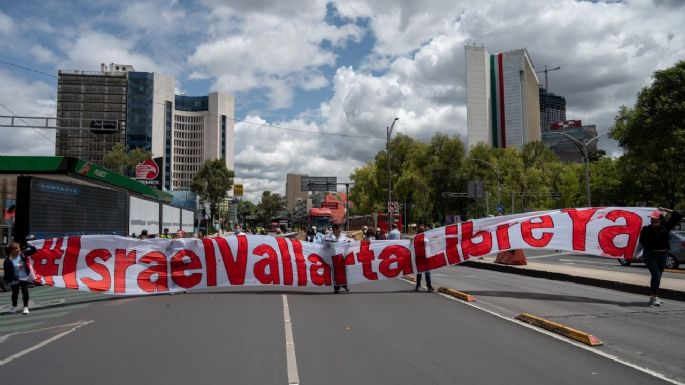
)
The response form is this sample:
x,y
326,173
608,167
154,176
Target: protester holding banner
x,y
655,242
429,286
334,237
18,274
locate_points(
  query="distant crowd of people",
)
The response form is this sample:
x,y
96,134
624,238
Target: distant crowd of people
x,y
165,234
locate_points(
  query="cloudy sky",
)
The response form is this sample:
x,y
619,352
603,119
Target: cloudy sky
x,y
316,83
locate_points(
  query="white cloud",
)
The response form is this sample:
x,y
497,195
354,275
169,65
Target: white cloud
x,y
26,98
92,48
7,26
268,45
42,54
415,69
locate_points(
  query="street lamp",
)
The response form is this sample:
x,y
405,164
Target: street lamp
x,y
387,149
582,146
499,186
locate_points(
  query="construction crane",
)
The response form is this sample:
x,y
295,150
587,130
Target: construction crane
x,y
546,70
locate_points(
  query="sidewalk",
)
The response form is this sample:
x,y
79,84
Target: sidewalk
x,y
671,288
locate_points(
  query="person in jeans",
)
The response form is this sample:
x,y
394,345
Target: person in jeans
x,y
17,272
655,244
429,286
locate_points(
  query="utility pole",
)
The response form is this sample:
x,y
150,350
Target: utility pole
x,y
546,70
497,173
583,147
387,149
347,204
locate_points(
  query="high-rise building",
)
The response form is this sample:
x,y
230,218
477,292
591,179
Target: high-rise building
x,y
203,130
502,98
552,109
293,191
91,112
96,110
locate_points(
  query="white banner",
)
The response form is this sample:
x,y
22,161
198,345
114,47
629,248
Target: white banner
x,y
125,266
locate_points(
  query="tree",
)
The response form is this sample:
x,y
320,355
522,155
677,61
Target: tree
x,y
124,161
247,212
270,205
653,136
211,184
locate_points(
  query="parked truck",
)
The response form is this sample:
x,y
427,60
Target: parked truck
x,y
321,218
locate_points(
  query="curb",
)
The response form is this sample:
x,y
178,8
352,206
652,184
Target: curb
x,y
457,294
613,285
566,331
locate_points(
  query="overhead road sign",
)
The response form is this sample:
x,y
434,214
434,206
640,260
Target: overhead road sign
x,y
319,183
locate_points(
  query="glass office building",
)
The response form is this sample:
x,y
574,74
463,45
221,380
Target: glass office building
x,y
117,105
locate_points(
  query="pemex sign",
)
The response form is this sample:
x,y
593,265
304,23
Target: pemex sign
x,y
149,173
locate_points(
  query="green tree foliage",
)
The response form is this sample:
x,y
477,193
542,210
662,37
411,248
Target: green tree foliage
x,y
124,161
652,134
269,206
247,212
211,184
423,172
651,170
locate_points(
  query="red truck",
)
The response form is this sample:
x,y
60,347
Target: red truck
x,y
321,218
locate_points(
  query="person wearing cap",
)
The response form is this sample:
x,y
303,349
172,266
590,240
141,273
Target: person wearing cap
x,y
394,233
429,286
655,244
336,236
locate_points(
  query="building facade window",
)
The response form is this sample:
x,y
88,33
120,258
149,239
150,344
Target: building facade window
x,y
139,110
168,124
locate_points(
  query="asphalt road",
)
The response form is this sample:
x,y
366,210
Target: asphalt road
x,y
595,262
381,333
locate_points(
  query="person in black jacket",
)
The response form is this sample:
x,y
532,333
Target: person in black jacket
x,y
655,244
17,271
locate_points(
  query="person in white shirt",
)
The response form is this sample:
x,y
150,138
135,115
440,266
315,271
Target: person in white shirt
x,y
333,237
394,233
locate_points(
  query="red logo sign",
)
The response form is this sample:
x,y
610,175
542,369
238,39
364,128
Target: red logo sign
x,y
147,170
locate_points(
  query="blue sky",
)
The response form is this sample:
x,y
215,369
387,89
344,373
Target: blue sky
x,y
338,67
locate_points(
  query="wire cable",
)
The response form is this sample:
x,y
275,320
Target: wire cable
x,y
231,118
27,69
34,129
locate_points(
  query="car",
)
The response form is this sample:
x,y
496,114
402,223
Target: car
x,y
676,254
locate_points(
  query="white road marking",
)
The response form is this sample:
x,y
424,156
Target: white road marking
x,y
564,339
549,255
293,377
572,342
41,344
577,262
